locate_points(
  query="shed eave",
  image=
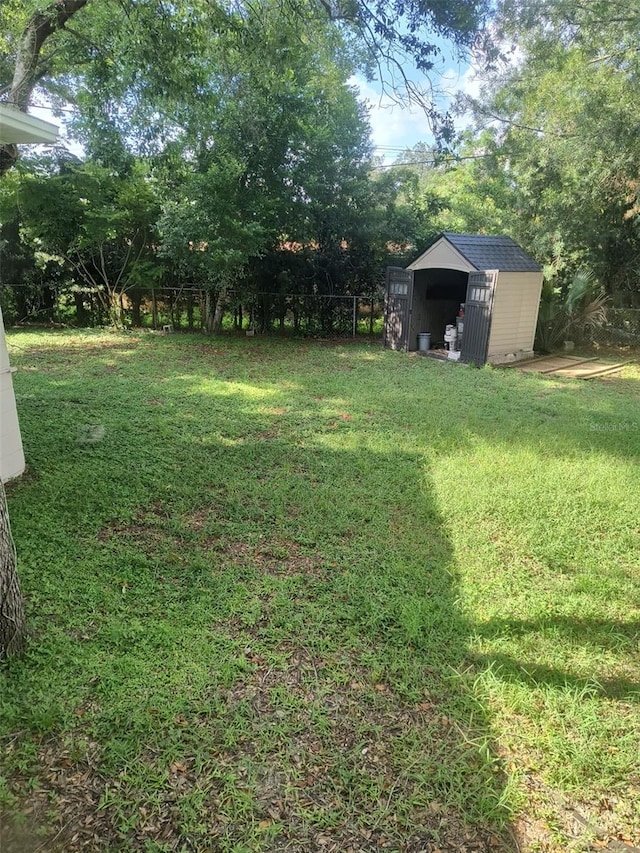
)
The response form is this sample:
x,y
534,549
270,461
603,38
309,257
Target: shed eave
x,y
18,128
442,255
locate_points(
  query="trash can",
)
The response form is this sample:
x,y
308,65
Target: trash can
x,y
424,341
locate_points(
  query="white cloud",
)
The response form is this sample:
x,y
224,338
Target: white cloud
x,y
395,127
462,79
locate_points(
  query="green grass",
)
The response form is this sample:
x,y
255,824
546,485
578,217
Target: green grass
x,y
291,595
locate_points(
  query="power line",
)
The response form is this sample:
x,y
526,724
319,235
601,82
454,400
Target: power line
x,y
433,162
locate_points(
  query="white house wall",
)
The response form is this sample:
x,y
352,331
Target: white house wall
x,y
11,454
514,316
15,127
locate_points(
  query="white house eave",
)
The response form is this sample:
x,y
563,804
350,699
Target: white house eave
x,y
17,128
442,255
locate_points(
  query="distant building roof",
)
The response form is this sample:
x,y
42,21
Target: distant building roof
x,y
491,253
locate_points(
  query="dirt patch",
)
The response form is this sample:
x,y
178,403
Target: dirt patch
x,y
145,529
29,477
154,529
279,557
590,825
337,755
154,534
71,788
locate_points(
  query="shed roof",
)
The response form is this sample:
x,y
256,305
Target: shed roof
x,y
484,252
492,253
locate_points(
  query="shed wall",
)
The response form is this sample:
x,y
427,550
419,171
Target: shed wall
x,y
515,314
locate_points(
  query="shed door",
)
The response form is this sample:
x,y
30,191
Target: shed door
x,y
397,308
477,316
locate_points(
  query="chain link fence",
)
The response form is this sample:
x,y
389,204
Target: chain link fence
x,y
181,309
621,329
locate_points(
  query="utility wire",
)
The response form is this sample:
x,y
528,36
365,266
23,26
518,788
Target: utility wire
x,y
433,162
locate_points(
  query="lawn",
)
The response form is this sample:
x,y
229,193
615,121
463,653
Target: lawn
x,y
311,596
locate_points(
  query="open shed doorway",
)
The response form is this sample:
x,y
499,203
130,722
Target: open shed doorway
x,y
437,296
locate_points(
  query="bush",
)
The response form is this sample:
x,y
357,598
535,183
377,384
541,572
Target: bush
x,y
572,314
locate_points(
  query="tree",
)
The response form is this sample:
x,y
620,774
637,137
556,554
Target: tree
x,y
277,154
145,54
397,35
13,627
564,128
99,223
572,314
29,66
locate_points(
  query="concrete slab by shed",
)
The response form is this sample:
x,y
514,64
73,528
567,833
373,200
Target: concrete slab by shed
x,y
571,367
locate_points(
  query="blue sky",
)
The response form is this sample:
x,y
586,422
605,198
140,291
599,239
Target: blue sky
x,y
395,128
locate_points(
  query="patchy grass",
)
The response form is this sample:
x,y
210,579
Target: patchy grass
x,y
306,596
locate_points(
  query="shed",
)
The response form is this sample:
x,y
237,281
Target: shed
x,y
496,280
15,127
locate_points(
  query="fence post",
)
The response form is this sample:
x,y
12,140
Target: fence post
x,y
154,308
355,315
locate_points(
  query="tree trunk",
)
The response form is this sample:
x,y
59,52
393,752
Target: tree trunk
x,y
154,308
82,315
27,71
221,302
207,312
113,307
214,311
136,308
49,302
190,311
12,623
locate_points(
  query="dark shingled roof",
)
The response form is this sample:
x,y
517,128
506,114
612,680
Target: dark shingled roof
x,y
492,253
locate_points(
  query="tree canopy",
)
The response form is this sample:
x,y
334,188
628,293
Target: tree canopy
x,y
553,157
143,61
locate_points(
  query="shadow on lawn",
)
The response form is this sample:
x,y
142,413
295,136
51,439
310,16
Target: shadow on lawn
x,y
576,632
